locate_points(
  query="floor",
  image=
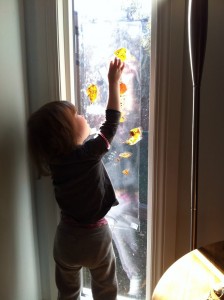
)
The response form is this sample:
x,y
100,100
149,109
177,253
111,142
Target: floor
x,y
88,296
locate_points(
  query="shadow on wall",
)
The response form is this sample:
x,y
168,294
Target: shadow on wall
x,y
17,253
9,160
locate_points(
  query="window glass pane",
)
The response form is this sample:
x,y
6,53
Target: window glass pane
x,y
101,29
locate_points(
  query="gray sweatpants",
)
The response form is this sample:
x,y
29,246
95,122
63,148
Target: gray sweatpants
x,y
75,248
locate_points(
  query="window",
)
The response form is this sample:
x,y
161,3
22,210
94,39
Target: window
x,y
104,30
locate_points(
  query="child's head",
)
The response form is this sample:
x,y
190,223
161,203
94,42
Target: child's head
x,y
52,131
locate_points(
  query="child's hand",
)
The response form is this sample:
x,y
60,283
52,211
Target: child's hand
x,y
115,70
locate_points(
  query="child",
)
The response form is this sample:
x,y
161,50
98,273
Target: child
x,y
83,190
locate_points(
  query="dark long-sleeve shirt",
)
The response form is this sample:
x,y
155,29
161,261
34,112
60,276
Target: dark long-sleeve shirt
x,y
82,186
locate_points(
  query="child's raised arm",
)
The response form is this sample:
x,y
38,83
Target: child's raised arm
x,y
114,75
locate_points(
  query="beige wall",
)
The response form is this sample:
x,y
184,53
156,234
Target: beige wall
x,y
18,250
211,160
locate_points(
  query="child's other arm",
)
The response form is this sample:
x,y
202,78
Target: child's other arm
x,y
114,75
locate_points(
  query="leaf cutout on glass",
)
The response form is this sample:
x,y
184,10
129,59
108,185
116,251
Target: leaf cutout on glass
x,y
92,92
125,154
135,136
123,88
121,53
126,172
122,118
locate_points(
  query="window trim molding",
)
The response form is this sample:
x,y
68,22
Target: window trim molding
x,y
66,62
168,28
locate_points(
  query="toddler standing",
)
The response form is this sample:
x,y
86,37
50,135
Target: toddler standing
x,y
57,139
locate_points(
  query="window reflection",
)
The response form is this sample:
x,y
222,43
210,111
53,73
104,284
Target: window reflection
x,y
104,28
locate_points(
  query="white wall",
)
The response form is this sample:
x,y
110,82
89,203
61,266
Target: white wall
x,y
18,251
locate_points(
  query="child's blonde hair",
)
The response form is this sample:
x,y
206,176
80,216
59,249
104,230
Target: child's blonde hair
x,y
50,133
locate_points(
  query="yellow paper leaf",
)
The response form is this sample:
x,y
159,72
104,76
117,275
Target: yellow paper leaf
x,y
92,92
136,136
